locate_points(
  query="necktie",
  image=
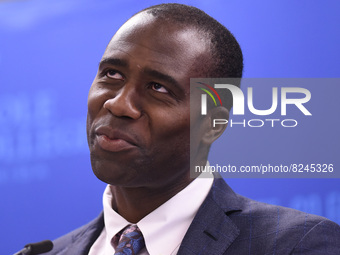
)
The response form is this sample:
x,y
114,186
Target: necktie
x,y
129,242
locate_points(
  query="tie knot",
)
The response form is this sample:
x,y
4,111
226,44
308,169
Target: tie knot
x,y
129,241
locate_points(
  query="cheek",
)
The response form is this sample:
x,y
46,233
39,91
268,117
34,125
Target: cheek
x,y
172,128
175,148
95,101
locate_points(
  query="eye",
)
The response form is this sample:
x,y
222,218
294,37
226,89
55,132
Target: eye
x,y
159,88
113,74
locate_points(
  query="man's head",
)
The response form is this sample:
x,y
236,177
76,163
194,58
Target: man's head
x,y
138,108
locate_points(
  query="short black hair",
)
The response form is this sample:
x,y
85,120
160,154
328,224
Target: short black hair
x,y
226,52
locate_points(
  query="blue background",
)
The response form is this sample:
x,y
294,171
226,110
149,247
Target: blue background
x,y
49,53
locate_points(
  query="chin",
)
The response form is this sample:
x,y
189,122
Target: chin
x,y
111,173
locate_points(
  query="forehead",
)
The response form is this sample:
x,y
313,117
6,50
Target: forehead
x,y
165,32
156,41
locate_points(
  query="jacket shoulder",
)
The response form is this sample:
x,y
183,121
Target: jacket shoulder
x,y
280,230
79,240
270,229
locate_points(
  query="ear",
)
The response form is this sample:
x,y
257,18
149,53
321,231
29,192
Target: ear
x,y
216,122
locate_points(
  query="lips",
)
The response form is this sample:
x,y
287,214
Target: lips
x,y
113,140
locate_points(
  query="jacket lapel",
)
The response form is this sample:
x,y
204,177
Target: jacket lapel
x,y
212,231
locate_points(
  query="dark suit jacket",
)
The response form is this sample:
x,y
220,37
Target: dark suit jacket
x,y
228,223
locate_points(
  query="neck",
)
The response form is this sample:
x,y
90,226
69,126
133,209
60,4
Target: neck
x,y
133,204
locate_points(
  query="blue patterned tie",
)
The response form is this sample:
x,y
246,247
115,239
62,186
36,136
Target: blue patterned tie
x,y
129,242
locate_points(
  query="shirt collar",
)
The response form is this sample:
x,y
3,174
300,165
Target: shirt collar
x,y
164,228
114,223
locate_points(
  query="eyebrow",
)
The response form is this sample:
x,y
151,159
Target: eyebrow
x,y
163,77
153,73
113,61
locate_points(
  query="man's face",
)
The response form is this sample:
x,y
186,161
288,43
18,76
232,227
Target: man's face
x,y
138,106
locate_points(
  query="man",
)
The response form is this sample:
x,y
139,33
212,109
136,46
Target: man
x,y
139,138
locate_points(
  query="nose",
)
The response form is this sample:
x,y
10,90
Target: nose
x,y
124,104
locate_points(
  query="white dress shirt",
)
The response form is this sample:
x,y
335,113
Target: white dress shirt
x,y
164,228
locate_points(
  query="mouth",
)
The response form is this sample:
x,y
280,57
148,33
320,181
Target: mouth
x,y
112,140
